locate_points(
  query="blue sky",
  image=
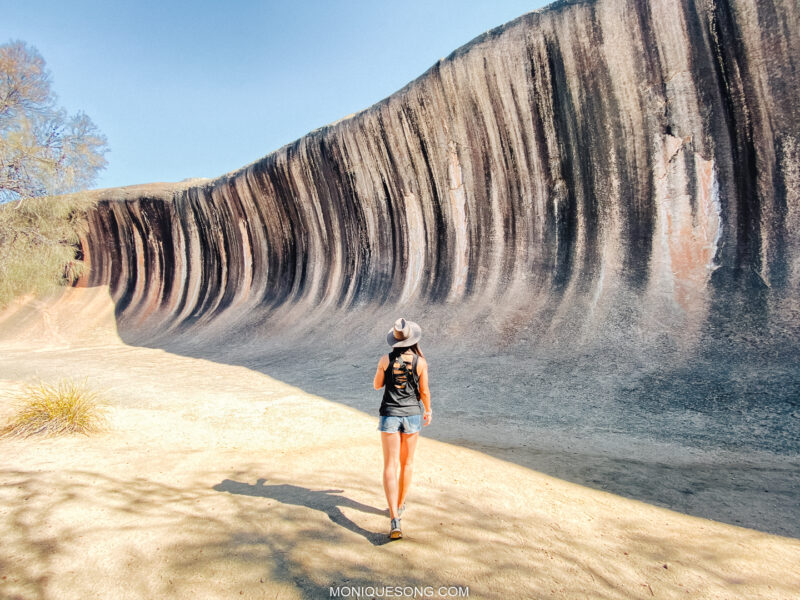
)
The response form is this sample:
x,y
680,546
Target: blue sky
x,y
197,89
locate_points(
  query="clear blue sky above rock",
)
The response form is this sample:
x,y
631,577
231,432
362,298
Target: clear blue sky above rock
x,y
196,89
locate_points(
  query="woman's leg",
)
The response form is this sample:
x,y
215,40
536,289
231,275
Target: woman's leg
x,y
408,444
391,457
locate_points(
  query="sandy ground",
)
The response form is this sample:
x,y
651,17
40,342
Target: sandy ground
x,y
216,481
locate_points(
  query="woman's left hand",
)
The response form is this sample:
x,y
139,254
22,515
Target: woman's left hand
x,y
426,419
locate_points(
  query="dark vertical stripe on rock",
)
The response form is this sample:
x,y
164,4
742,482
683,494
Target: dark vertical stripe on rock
x,y
437,284
564,201
730,66
778,266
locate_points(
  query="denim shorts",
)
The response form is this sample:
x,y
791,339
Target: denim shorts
x,y
409,424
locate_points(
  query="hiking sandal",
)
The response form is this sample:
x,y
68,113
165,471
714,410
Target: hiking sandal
x,y
395,533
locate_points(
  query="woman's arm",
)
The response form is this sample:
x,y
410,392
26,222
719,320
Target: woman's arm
x,y
424,390
382,364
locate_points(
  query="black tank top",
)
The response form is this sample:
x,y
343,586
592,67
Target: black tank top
x,y
401,387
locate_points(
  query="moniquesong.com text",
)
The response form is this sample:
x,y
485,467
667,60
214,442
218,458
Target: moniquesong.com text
x,y
398,591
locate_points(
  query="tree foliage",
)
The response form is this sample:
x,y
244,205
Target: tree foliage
x,y
43,150
38,243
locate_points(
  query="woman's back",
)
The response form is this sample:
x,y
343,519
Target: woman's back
x,y
400,394
403,374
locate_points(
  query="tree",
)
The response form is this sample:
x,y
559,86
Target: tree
x,y
43,151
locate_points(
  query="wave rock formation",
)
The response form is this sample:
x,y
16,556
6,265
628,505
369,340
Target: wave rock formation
x,y
612,172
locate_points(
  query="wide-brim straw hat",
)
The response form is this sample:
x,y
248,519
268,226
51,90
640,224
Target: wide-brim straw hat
x,y
404,333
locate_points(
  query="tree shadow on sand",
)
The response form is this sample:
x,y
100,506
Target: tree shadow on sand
x,y
326,501
87,531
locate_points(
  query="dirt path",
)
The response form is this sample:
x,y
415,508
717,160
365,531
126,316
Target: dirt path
x,y
215,481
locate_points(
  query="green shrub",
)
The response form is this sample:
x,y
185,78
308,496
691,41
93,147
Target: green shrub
x,y
38,244
64,408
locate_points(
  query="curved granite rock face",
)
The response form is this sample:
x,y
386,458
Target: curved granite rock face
x,y
596,168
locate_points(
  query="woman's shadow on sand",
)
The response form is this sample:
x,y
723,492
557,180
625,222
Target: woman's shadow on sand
x,y
327,501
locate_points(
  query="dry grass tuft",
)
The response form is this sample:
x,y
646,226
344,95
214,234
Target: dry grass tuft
x,y
64,408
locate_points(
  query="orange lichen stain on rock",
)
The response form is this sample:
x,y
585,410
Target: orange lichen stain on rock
x,y
692,234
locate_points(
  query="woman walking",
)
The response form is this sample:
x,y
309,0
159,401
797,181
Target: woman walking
x,y
403,373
